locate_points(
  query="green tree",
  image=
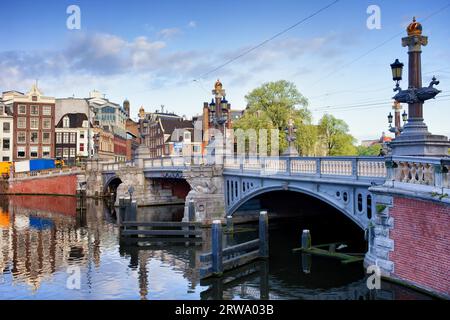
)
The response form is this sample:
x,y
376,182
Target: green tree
x,y
373,150
271,105
333,134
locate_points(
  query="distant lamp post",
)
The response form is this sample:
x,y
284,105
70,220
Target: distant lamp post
x,y
390,117
397,128
291,131
404,116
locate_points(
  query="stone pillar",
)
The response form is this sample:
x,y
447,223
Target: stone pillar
x,y
207,192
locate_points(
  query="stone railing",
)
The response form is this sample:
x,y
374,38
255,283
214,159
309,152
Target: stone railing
x,y
433,172
342,167
47,172
350,167
114,166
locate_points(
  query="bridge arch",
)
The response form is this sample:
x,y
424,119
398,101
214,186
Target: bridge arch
x,y
111,183
319,196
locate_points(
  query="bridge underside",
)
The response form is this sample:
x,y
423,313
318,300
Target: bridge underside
x,y
354,201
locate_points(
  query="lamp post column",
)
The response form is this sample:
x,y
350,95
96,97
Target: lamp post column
x,y
414,41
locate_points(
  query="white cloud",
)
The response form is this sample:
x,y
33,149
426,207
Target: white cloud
x,y
169,33
192,24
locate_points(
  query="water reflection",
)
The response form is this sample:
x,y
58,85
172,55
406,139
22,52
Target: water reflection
x,y
40,237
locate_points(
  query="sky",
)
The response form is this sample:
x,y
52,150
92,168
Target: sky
x,y
165,53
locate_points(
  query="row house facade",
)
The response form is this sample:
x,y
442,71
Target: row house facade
x,y
133,138
33,128
167,134
72,138
6,132
111,118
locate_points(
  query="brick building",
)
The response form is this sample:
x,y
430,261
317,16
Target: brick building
x,y
33,124
6,132
163,133
72,138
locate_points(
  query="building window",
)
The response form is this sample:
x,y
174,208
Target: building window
x,y
34,137
21,137
81,134
58,137
73,137
72,152
21,123
46,137
65,152
66,122
65,137
59,152
85,124
34,110
34,123
34,152
6,127
46,152
46,123
22,109
5,159
81,147
46,110
21,152
6,144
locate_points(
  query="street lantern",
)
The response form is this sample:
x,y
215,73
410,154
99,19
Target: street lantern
x,y
224,104
390,117
397,70
405,116
212,106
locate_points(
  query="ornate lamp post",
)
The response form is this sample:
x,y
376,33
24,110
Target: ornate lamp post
x,y
398,128
290,131
219,108
414,139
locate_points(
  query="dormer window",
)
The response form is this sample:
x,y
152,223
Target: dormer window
x,y
85,124
66,122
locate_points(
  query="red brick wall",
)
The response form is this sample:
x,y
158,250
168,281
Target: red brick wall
x,y
60,205
52,185
180,189
421,237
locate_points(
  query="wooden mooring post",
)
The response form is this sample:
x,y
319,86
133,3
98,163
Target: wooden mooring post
x,y
220,259
217,247
308,249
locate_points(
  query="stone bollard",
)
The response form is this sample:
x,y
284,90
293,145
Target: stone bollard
x,y
306,239
263,234
217,247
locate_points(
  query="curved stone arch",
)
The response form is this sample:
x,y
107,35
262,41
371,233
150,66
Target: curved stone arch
x,y
109,180
231,210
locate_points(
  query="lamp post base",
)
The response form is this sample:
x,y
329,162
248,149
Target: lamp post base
x,y
290,152
421,145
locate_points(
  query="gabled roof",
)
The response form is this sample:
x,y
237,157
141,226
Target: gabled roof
x,y
168,125
75,120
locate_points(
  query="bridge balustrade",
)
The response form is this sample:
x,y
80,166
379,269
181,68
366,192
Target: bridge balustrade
x,y
432,172
350,167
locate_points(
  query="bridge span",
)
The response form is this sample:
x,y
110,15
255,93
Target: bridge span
x,y
401,202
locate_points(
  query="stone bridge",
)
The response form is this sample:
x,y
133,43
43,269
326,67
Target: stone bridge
x,y
218,191
401,202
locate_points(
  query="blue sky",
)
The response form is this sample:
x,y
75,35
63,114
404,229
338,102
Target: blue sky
x,y
151,51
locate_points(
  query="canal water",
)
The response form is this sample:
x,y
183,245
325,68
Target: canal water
x,y
46,246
